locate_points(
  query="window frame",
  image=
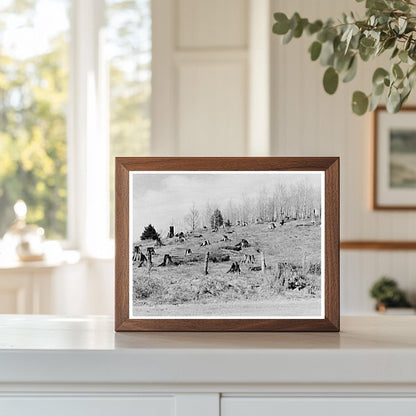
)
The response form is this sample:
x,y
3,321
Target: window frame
x,y
87,128
87,133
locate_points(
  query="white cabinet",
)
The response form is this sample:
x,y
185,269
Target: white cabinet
x,y
68,286
43,288
79,366
270,406
87,406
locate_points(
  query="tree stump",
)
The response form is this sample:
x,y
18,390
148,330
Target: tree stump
x,y
167,260
171,231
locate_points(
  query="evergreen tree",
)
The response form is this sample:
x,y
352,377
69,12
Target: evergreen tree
x,y
150,233
216,219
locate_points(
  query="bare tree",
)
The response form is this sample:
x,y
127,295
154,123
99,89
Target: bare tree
x,y
208,213
192,218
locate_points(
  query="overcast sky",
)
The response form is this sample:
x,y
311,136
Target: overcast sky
x,y
160,198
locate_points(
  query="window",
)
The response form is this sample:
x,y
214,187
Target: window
x,y
75,87
129,46
33,102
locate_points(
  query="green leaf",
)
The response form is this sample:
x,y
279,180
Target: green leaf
x,y
314,27
366,53
281,27
400,5
378,89
330,80
404,95
412,70
327,53
395,52
403,56
322,36
315,50
402,24
393,101
298,30
397,71
294,20
348,35
288,37
341,61
359,103
379,75
355,41
374,101
376,4
351,71
408,42
366,48
412,52
411,76
367,42
389,43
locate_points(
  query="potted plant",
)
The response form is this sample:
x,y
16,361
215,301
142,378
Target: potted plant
x,y
387,294
389,27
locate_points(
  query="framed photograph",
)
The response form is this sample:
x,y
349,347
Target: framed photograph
x,y
227,244
394,179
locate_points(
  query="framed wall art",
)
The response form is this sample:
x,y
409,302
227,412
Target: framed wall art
x,y
227,244
394,178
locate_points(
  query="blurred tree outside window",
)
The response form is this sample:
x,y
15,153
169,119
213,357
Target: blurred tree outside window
x,y
34,93
33,102
129,51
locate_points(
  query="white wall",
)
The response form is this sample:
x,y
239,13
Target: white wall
x,y
200,77
308,122
211,92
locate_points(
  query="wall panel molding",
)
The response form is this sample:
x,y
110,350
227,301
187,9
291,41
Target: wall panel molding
x,y
211,68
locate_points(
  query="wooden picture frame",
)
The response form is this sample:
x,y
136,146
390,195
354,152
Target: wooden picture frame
x,y
394,184
129,168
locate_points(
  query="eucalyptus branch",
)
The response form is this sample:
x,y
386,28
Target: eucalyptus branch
x,y
389,25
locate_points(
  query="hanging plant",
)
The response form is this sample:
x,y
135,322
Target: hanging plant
x,y
389,27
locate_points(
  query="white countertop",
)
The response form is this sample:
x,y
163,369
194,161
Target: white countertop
x,y
52,349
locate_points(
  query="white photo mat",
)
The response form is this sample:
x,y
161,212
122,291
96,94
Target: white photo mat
x,y
133,236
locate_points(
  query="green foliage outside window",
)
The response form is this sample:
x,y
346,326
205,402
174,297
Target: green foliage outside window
x,y
33,99
129,37
34,104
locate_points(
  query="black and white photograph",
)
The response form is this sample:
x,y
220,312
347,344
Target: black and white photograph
x,y
226,244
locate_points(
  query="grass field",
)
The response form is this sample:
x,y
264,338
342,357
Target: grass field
x,y
290,284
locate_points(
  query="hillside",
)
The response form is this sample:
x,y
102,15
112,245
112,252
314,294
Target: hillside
x,y
284,287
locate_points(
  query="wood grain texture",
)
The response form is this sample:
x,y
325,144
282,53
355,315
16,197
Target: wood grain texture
x,y
376,205
122,251
330,165
378,245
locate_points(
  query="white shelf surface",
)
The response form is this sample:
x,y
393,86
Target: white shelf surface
x,y
52,349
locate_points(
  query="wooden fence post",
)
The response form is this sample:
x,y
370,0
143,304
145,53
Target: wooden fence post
x,y
262,262
149,261
206,263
